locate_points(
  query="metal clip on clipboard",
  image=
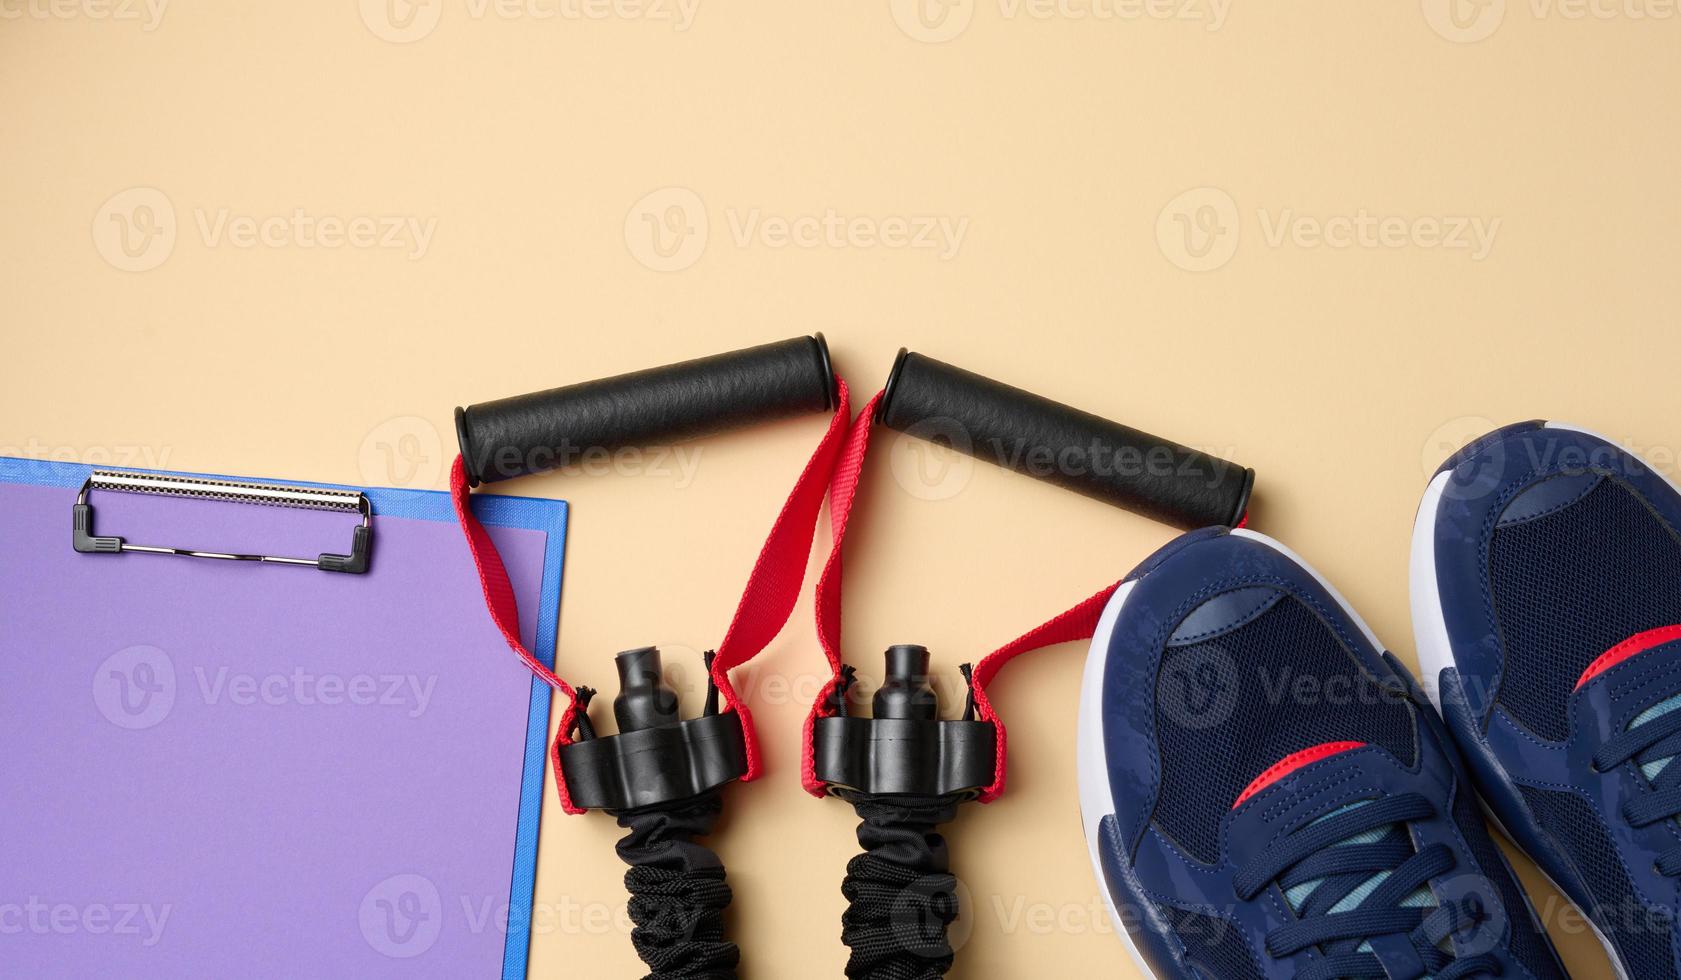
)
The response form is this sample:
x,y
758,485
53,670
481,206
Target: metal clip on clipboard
x,y
270,494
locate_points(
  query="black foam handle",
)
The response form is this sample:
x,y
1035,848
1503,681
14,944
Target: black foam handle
x,y
540,431
1031,434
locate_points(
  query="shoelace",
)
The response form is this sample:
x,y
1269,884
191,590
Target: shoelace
x,y
1345,853
1651,741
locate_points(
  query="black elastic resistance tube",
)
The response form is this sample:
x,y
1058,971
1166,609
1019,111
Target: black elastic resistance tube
x,y
543,430
1082,452
901,894
678,895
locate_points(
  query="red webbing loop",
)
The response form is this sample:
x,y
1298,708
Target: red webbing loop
x,y
842,489
773,587
1078,623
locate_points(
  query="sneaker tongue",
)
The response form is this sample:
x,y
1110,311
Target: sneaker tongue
x,y
1620,654
1296,896
1655,767
1421,897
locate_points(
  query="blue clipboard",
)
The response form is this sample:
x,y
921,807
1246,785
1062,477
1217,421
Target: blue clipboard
x,y
411,527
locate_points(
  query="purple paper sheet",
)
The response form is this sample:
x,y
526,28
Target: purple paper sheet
x,y
220,769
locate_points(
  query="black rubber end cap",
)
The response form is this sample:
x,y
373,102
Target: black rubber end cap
x,y
892,383
466,444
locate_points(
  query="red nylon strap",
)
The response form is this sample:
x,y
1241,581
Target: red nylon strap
x,y
1078,623
773,587
842,489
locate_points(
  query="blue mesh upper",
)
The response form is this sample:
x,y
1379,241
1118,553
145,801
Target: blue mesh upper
x,y
1527,943
1641,934
1569,586
1246,681
1213,945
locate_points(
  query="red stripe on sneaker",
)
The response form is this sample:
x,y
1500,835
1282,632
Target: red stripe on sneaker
x,y
1637,644
1291,763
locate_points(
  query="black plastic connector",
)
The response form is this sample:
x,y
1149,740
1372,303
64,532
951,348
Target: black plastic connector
x,y
355,563
82,537
905,748
656,758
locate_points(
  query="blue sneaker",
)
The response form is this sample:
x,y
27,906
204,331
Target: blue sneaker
x,y
1268,794
1546,592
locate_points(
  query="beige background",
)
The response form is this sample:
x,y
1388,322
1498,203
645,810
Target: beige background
x,y
1111,182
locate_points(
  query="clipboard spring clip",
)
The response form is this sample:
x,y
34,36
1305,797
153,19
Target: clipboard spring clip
x,y
203,488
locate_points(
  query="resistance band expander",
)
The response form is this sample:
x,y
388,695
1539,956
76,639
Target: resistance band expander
x,y
662,776
904,770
